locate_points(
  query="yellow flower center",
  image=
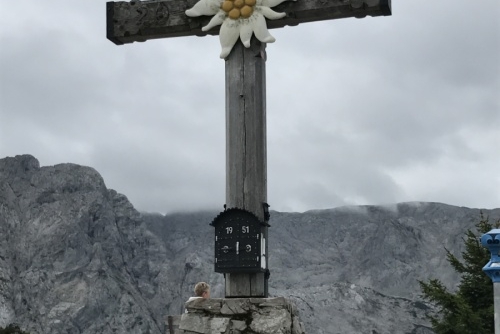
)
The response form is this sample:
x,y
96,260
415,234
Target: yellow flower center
x,y
238,8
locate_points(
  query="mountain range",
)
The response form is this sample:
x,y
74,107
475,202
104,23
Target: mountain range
x,y
77,257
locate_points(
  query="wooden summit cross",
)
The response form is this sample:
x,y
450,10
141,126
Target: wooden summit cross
x,y
246,167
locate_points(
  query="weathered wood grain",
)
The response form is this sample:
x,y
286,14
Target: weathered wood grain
x,y
246,183
138,21
246,159
246,285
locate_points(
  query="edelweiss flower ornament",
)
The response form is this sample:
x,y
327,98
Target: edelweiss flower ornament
x,y
239,18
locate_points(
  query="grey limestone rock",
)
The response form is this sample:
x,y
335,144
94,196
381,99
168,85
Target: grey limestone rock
x,y
241,315
76,257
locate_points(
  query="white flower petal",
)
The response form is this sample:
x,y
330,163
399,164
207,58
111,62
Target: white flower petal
x,y
215,21
260,29
271,3
271,14
204,7
229,33
240,28
246,31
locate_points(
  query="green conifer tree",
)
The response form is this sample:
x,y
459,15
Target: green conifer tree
x,y
470,309
12,329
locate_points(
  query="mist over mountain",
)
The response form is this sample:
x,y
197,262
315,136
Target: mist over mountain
x,y
76,257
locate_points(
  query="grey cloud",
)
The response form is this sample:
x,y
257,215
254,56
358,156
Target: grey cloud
x,y
366,111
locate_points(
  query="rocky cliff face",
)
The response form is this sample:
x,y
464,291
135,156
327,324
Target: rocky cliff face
x,y
349,269
76,257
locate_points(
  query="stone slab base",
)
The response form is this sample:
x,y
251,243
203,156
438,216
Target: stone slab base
x,y
241,316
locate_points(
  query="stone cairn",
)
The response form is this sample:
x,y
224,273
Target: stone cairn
x,y
241,316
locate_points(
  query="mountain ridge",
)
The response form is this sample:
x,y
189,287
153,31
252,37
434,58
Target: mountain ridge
x,y
76,257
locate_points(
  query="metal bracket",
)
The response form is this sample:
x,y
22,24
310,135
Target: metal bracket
x,y
267,215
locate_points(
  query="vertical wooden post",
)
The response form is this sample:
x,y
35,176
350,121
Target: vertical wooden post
x,y
246,164
173,323
170,321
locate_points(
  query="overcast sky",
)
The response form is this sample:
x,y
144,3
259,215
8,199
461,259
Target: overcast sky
x,y
359,111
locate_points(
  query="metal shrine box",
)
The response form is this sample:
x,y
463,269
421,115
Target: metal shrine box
x,y
240,242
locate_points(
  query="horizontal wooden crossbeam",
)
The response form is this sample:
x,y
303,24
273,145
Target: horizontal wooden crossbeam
x,y
139,21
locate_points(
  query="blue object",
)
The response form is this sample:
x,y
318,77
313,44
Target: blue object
x,y
491,240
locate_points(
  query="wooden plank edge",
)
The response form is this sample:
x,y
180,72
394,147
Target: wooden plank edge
x,y
193,25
